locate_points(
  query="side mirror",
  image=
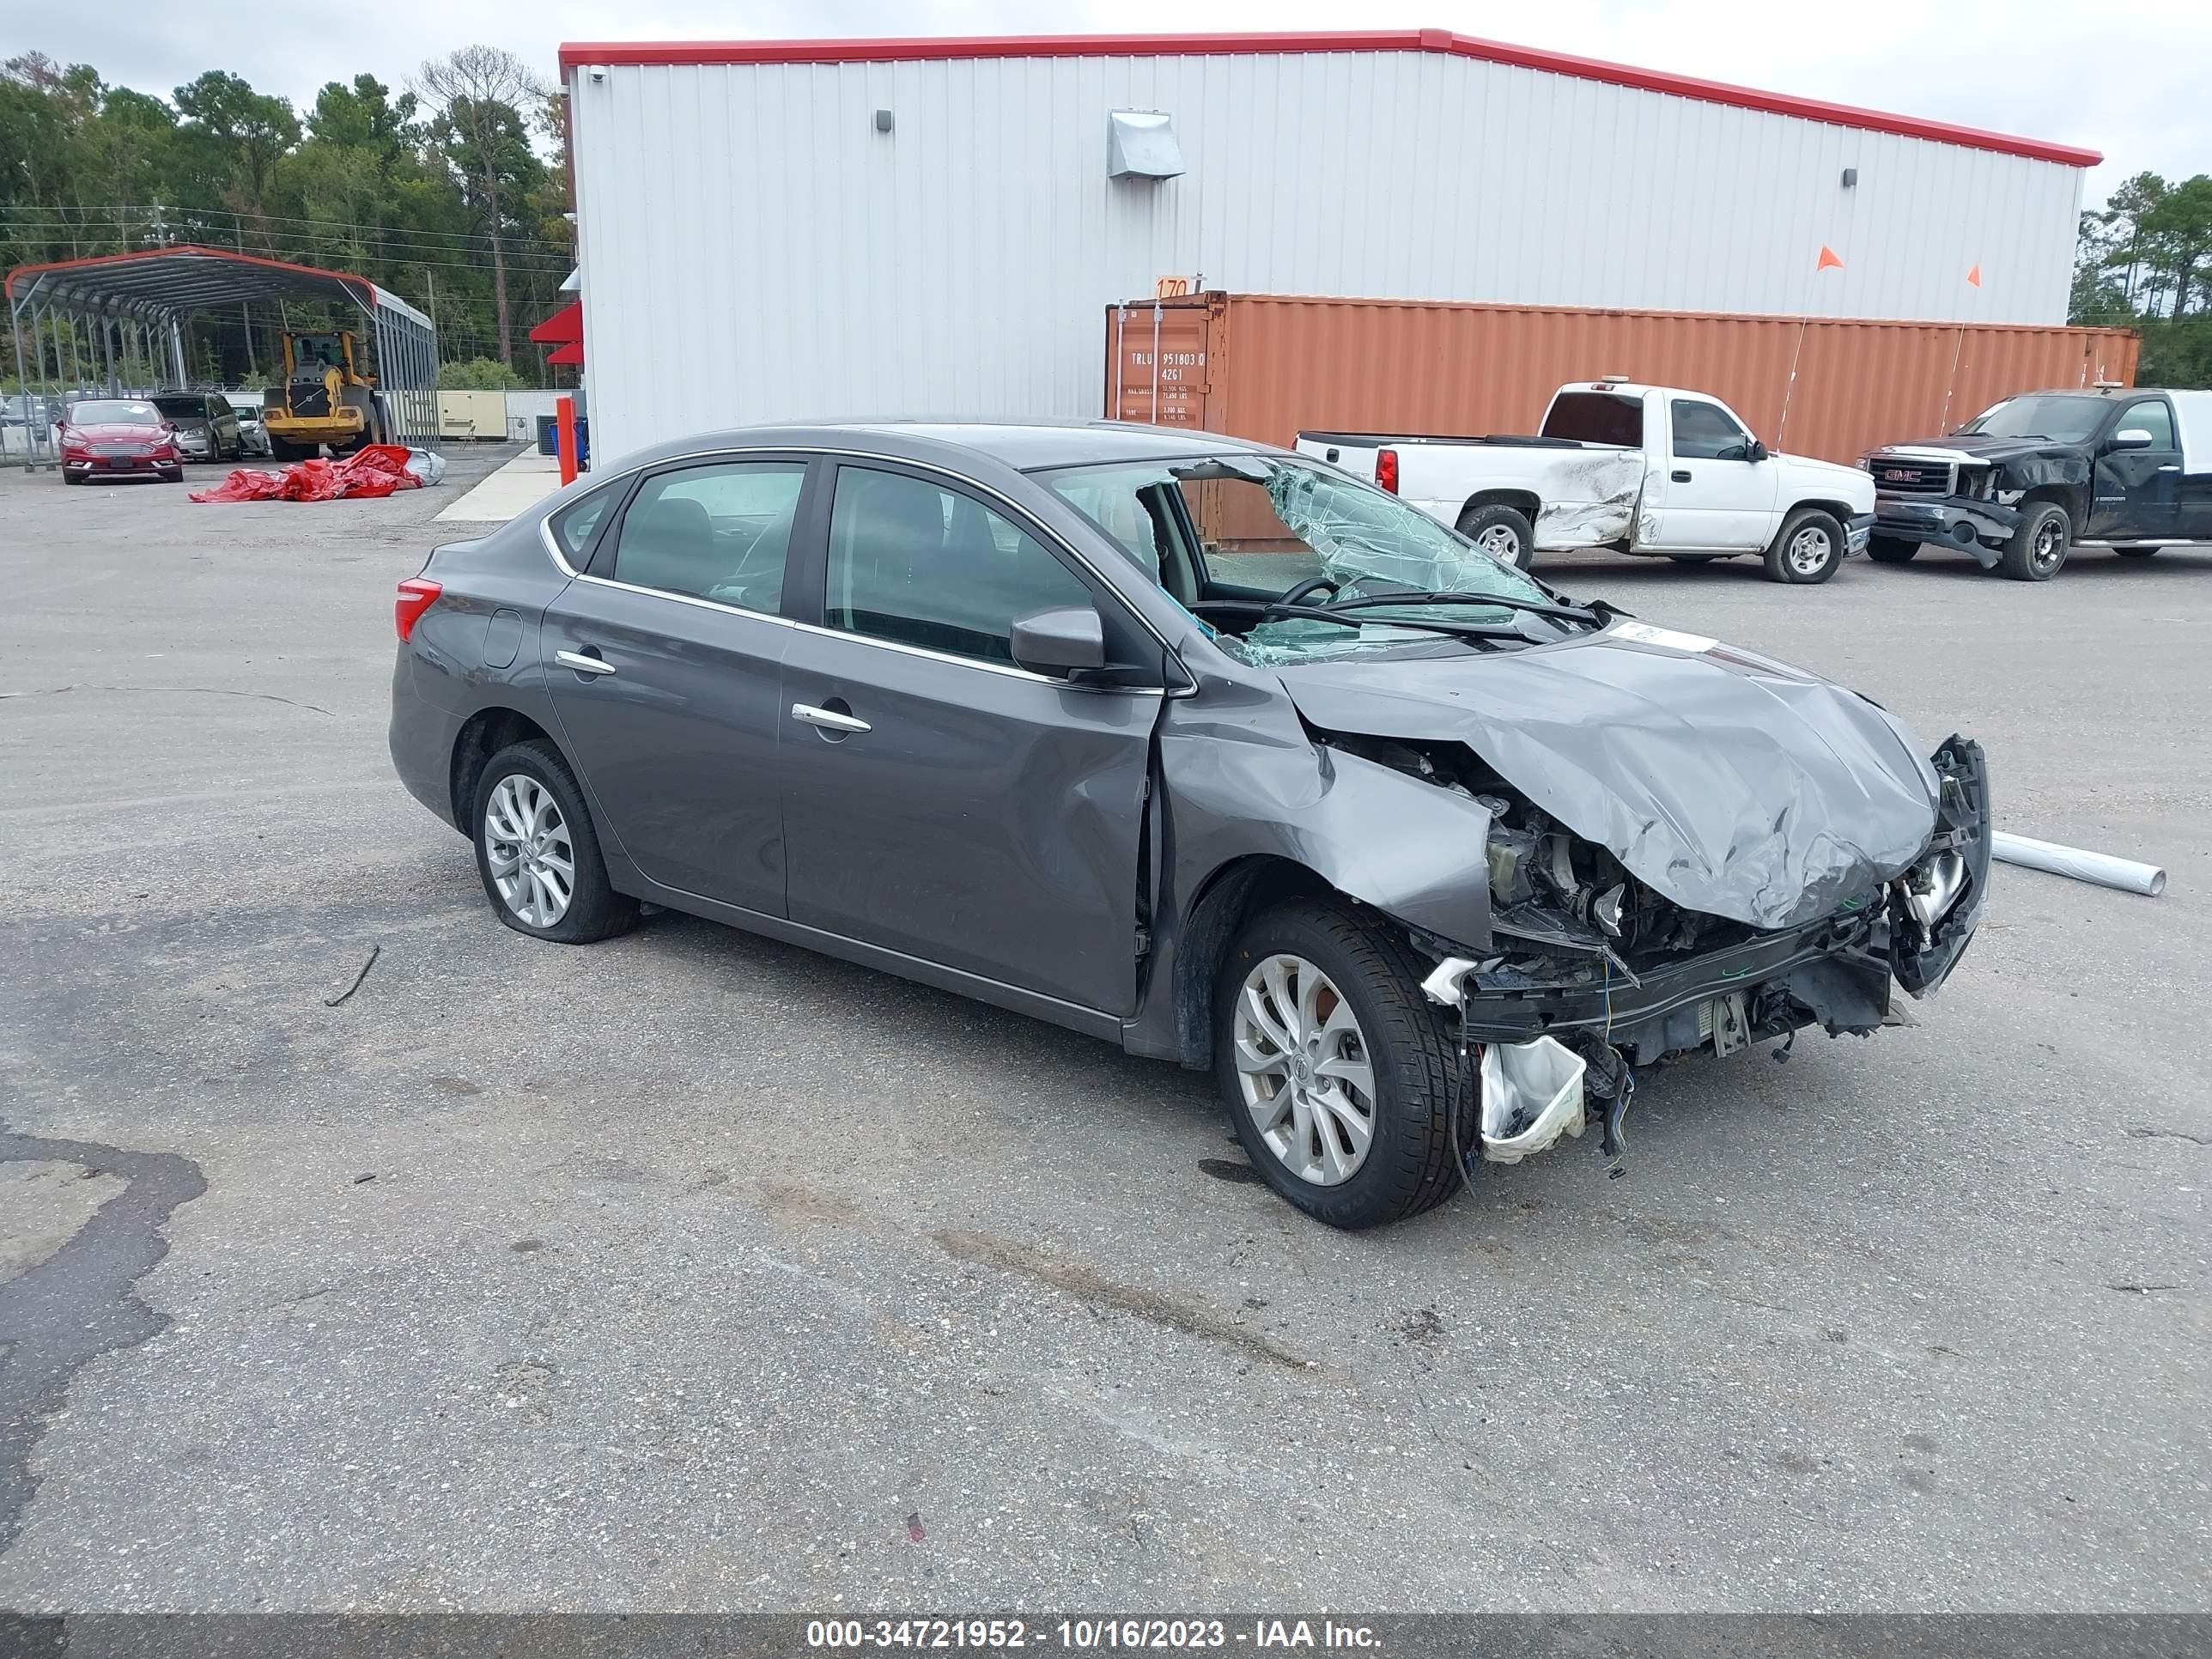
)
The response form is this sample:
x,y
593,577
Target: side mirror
x,y
1758,451
2130,437
1060,642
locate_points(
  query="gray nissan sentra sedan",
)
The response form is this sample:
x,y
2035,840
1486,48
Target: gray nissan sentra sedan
x,y
1196,746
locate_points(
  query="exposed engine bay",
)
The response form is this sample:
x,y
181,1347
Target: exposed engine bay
x,y
1586,959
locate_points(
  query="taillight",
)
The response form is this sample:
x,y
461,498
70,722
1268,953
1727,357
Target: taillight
x,y
416,595
1386,470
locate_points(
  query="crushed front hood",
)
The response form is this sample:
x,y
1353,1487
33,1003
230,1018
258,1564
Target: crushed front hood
x,y
1730,783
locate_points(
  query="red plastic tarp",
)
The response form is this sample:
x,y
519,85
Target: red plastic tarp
x,y
374,469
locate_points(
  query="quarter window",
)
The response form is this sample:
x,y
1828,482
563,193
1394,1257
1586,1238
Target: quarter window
x,y
719,532
925,566
1704,432
575,525
2151,415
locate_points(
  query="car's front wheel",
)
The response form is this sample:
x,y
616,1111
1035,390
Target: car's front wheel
x,y
1339,1074
1809,549
1890,549
538,853
2037,550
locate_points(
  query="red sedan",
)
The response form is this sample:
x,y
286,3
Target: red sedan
x,y
119,438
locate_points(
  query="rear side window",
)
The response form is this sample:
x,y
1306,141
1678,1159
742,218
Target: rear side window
x,y
1596,417
2151,415
721,533
921,565
1704,432
575,525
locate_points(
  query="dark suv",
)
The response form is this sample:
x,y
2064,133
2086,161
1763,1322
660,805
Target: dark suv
x,y
207,427
2020,484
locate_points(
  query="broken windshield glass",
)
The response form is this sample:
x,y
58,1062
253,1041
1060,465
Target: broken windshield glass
x,y
1227,527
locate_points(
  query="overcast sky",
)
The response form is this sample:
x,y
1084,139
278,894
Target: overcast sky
x,y
2129,79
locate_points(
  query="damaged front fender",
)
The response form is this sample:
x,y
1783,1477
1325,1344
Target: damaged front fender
x,y
1389,840
1941,897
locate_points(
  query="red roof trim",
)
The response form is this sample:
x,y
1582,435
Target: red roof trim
x,y
633,52
151,255
564,327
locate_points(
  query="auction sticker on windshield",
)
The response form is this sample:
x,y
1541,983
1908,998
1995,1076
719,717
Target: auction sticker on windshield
x,y
1645,634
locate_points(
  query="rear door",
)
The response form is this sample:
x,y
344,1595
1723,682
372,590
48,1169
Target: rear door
x,y
663,661
1709,496
2138,491
940,801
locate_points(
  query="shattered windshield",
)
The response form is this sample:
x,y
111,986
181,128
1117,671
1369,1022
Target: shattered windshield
x,y
1222,529
2066,420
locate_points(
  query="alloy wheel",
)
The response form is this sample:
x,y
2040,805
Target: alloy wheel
x,y
1810,551
1304,1069
526,844
2049,546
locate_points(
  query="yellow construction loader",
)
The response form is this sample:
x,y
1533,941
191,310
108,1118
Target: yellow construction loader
x,y
324,399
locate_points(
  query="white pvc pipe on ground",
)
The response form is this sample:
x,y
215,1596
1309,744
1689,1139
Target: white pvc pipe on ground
x,y
2101,868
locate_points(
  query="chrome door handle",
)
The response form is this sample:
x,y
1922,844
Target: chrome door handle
x,y
2175,467
828,718
582,664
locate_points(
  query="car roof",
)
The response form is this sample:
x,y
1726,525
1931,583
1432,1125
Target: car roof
x,y
1021,446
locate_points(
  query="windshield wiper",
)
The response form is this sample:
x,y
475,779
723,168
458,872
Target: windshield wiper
x,y
1540,607
1271,609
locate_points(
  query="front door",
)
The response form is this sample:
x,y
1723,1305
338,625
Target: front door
x,y
2138,491
664,660
1709,494
940,801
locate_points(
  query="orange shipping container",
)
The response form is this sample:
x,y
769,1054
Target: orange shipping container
x,y
1267,366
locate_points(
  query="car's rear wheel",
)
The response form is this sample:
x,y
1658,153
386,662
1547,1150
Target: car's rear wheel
x,y
538,853
1890,549
1502,531
1339,1073
2038,548
1808,548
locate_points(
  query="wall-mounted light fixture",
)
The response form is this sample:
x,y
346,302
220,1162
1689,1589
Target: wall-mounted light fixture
x,y
1850,177
883,121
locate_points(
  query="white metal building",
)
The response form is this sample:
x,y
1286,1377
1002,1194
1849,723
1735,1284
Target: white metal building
x,y
772,229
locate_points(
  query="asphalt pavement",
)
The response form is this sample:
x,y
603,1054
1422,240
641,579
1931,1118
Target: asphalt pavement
x,y
693,1272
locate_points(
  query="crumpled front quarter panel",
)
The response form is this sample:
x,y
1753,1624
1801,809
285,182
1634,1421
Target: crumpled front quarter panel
x,y
1242,778
1730,784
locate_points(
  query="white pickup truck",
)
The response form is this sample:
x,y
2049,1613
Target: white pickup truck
x,y
1638,469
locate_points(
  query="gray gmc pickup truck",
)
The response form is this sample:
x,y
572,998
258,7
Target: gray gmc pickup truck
x,y
2019,485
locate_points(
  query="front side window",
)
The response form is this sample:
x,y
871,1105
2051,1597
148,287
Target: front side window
x,y
2151,415
1706,432
919,564
720,532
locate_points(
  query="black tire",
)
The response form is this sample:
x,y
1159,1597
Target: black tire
x,y
2135,552
1410,1165
73,477
1890,549
1497,520
595,910
283,449
175,474
2038,549
1788,557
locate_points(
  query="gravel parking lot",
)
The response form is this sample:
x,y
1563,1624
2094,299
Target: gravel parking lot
x,y
691,1271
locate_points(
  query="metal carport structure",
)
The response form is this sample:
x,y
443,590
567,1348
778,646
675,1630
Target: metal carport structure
x,y
132,307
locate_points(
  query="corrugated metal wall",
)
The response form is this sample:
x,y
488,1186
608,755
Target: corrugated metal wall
x,y
752,247
1270,365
